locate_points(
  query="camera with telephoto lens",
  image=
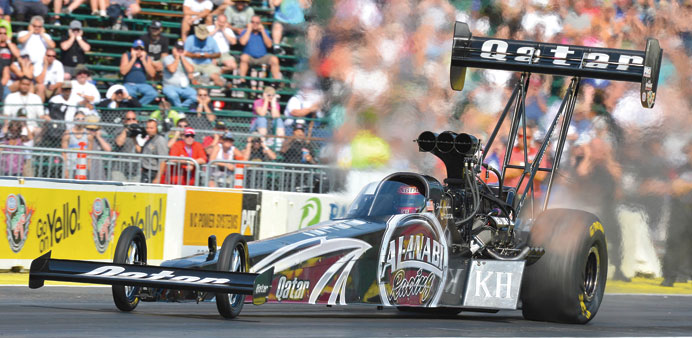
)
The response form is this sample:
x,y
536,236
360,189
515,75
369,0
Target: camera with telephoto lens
x,y
135,129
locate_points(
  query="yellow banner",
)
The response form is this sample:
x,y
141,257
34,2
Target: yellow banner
x,y
77,224
217,213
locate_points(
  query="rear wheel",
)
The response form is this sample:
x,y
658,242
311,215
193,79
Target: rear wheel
x,y
131,249
566,285
232,257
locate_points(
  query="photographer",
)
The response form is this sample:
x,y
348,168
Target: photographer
x,y
257,150
155,144
126,141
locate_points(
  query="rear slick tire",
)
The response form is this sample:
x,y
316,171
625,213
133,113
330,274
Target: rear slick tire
x,y
131,249
566,285
232,257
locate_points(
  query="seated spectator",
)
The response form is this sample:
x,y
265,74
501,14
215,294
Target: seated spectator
x,y
297,149
224,37
8,50
119,9
306,103
96,168
223,174
71,5
211,141
257,150
13,162
135,66
5,11
268,104
156,44
75,138
30,8
239,15
204,52
51,77
202,113
4,80
117,96
24,103
183,173
19,69
86,93
177,71
195,12
255,39
74,48
289,17
35,42
98,7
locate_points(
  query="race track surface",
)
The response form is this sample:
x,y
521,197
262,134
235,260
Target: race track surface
x,y
62,311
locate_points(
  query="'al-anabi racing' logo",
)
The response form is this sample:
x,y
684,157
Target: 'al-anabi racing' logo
x,y
103,219
18,219
413,261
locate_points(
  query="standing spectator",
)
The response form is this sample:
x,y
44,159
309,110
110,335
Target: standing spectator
x,y
257,150
204,52
25,103
194,12
30,8
289,17
182,172
297,149
177,135
35,42
135,65
117,96
74,48
57,8
177,71
156,44
51,77
156,145
204,118
14,163
75,138
223,173
211,141
239,15
255,39
267,107
86,93
126,142
59,108
225,38
96,167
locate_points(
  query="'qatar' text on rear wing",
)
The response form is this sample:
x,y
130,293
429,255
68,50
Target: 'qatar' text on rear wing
x,y
548,58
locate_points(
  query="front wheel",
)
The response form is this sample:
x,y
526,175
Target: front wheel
x,y
131,249
232,257
566,285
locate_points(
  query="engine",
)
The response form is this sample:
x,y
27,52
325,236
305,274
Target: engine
x,y
480,213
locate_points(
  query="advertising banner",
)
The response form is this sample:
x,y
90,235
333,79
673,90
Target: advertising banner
x,y
77,224
219,213
308,210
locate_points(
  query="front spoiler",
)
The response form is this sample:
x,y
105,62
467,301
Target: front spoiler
x,y
44,268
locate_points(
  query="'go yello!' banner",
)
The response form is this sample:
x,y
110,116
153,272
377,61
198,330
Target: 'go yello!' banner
x,y
219,213
76,224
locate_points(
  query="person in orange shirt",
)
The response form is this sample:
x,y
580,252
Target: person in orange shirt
x,y
183,173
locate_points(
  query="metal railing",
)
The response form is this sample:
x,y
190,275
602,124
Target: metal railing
x,y
271,176
101,165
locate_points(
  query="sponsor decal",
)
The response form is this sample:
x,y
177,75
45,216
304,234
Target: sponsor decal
x,y
650,98
647,71
17,221
120,272
413,261
312,210
59,225
494,284
294,289
150,221
103,220
219,213
301,252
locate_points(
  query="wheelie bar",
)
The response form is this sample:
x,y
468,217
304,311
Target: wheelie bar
x,y
44,268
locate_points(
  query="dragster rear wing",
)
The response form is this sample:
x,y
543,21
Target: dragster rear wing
x,y
549,58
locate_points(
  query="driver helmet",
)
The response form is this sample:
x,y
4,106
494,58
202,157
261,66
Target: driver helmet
x,y
410,200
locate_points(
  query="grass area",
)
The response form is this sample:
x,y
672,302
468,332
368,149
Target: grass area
x,y
637,285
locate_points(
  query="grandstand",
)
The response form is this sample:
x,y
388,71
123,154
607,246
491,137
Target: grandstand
x,y
233,106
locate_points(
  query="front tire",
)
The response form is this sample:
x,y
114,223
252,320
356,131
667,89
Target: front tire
x,y
566,285
232,257
131,249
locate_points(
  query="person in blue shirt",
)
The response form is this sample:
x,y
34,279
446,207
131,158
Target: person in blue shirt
x,y
289,17
255,40
204,53
135,66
